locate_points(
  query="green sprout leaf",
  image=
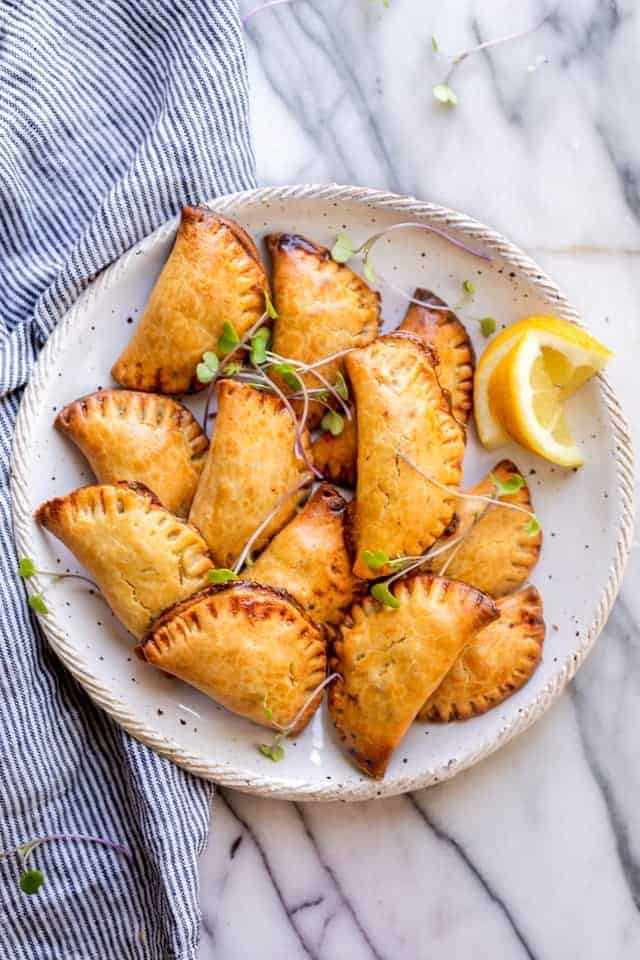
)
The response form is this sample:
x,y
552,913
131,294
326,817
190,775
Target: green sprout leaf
x,y
229,338
341,387
382,593
506,488
230,369
343,249
37,604
288,374
488,326
31,881
274,751
271,311
435,46
443,93
268,712
468,287
207,370
221,575
259,344
369,271
375,559
532,527
26,567
333,422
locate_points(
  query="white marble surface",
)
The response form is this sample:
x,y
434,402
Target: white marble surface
x,y
536,852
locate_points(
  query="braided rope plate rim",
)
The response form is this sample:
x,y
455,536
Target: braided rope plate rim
x,y
283,787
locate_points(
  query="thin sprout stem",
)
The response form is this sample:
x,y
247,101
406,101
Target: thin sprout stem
x,y
429,555
346,409
325,360
290,726
261,7
464,536
244,553
464,496
368,244
73,837
519,35
69,576
299,439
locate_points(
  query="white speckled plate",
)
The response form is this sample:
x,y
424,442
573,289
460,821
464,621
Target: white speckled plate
x,y
586,515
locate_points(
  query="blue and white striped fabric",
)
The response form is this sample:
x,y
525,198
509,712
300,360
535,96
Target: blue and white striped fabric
x,y
112,115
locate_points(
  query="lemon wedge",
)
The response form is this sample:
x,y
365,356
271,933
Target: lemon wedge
x,y
526,402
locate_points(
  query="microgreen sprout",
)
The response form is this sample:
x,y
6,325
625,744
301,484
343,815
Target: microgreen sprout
x,y
333,423
382,593
506,488
28,569
468,287
341,387
375,559
443,92
32,879
478,496
344,250
288,375
221,575
402,565
274,750
259,344
532,526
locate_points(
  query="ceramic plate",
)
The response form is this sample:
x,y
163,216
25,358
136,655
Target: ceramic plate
x,y
586,514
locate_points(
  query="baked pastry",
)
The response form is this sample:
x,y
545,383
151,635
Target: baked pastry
x,y
127,435
497,555
387,658
336,457
309,558
251,464
323,306
401,409
248,647
495,664
213,275
142,558
446,335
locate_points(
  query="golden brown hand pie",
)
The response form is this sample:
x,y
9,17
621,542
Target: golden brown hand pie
x,y
248,647
388,658
497,556
498,662
323,306
142,558
127,435
401,408
251,464
445,334
214,274
336,457
310,559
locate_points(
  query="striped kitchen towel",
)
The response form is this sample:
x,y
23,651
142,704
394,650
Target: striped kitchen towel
x,y
112,115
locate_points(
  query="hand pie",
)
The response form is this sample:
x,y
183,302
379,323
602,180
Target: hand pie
x,y
248,647
497,555
309,558
336,457
387,659
142,557
251,464
139,436
498,662
401,409
323,306
214,274
445,334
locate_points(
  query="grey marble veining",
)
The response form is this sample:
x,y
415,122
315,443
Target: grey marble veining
x,y
535,853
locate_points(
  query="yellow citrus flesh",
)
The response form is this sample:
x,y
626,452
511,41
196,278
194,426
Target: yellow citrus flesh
x,y
571,356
